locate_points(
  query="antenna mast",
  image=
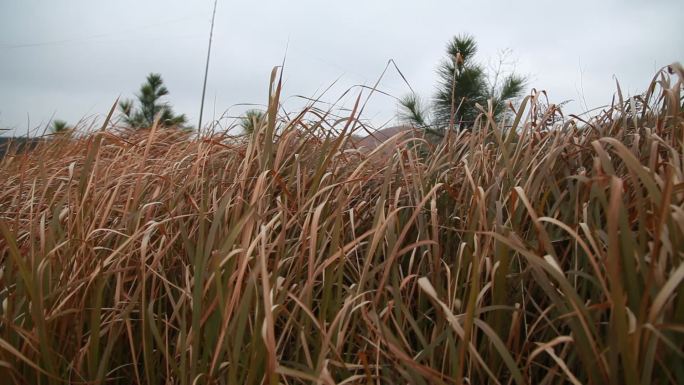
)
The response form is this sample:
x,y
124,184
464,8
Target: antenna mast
x,y
206,69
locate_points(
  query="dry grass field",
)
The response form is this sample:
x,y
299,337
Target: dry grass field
x,y
514,253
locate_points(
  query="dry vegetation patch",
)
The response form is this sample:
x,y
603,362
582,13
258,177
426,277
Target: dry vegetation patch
x,y
514,253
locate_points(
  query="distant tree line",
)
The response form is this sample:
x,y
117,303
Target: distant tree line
x,y
462,84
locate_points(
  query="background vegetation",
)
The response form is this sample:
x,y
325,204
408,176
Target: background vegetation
x,y
150,105
462,85
514,252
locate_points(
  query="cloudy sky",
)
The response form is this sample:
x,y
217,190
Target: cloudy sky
x,y
72,58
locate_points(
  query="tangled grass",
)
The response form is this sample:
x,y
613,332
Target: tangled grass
x,y
514,253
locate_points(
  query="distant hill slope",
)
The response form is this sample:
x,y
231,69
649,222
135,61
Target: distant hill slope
x,y
19,143
369,142
372,141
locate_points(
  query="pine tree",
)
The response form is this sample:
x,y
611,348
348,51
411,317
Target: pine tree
x,y
463,83
150,105
252,120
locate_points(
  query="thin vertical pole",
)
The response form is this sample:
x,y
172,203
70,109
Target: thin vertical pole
x,y
206,69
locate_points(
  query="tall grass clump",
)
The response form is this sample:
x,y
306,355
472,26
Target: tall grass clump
x,y
512,253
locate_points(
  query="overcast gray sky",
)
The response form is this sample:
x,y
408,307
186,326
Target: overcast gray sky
x,y
73,58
